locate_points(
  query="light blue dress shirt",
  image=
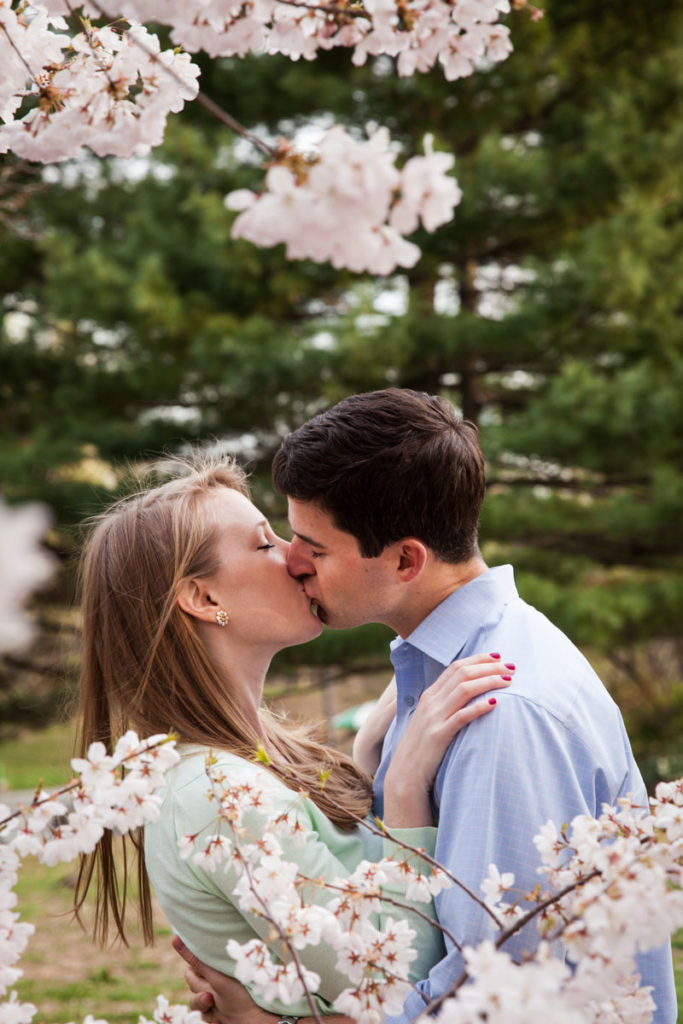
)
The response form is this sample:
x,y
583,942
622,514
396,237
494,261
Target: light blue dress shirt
x,y
554,747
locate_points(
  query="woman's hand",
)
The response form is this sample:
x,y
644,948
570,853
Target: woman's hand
x,y
442,710
367,746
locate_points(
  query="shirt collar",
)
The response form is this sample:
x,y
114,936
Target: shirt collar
x,y
446,630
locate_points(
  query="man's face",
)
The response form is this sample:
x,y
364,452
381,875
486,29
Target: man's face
x,y
350,590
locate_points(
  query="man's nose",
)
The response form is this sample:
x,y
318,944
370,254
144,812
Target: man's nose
x,y
298,564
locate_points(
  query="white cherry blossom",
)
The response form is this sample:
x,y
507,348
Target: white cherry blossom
x,y
14,1012
166,1013
24,564
105,89
309,200
495,884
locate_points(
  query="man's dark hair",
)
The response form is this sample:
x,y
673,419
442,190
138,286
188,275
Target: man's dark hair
x,y
390,464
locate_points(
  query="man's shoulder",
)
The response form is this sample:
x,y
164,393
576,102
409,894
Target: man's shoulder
x,y
536,733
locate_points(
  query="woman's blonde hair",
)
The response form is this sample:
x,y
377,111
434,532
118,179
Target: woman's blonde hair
x,y
145,667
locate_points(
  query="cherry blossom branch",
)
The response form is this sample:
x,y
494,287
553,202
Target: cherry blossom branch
x,y
284,938
264,912
386,899
435,864
340,11
553,899
383,831
77,784
436,1003
18,53
229,121
549,901
217,111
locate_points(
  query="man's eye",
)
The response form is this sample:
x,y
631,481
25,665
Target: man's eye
x,y
265,547
316,554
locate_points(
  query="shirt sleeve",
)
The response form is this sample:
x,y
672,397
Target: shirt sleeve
x,y
317,856
502,779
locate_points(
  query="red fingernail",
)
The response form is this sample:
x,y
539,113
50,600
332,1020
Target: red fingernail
x,y
508,679
494,655
511,665
492,700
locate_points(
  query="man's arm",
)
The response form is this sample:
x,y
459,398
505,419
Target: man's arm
x,y
500,781
222,1000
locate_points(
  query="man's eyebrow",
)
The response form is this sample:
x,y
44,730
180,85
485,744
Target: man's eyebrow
x,y
307,540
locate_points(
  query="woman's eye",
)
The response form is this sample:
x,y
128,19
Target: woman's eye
x,y
265,547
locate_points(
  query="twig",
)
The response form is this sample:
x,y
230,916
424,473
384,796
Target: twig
x,y
225,118
18,52
351,12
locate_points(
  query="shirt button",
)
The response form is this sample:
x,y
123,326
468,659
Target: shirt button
x,y
410,701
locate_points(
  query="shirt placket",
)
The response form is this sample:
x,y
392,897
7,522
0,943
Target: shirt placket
x,y
410,684
408,666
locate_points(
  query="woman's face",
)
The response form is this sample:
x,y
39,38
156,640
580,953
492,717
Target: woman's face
x,y
267,606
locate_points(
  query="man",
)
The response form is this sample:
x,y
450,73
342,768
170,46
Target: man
x,y
384,493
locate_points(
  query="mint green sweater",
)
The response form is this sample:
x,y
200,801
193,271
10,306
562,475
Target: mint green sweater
x,y
200,904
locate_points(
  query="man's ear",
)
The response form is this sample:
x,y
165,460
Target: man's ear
x,y
412,558
194,598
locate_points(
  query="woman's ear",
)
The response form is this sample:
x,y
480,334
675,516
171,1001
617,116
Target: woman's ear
x,y
194,598
412,558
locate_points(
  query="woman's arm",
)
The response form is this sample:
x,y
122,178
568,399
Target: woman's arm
x,y
441,712
222,1000
367,746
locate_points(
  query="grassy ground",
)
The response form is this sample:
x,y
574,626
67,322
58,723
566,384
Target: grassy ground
x,y
30,756
677,943
66,976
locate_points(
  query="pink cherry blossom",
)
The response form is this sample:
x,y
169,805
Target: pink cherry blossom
x,y
308,202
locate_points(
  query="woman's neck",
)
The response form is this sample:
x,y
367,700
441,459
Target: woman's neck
x,y
244,672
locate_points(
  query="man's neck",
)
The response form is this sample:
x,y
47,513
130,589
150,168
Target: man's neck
x,y
438,582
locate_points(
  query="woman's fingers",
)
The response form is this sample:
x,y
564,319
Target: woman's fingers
x,y
465,678
464,716
462,693
474,667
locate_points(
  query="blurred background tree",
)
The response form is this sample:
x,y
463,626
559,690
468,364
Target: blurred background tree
x,y
549,311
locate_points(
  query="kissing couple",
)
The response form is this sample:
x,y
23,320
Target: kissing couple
x,y
494,723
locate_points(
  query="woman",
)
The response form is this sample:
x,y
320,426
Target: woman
x,y
186,598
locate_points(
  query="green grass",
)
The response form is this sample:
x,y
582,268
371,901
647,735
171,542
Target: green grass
x,y
30,756
66,976
677,944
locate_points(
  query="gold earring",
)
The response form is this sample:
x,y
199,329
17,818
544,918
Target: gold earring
x,y
222,617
